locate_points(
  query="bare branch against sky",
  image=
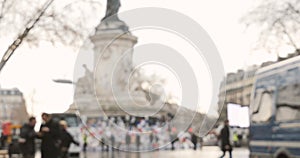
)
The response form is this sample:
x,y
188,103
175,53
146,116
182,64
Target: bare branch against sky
x,y
16,43
279,23
45,21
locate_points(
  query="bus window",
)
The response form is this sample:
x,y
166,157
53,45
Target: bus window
x,y
288,104
71,119
262,107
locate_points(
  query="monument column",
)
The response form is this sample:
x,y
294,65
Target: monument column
x,y
112,60
113,50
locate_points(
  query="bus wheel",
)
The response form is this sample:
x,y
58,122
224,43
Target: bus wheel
x,y
282,156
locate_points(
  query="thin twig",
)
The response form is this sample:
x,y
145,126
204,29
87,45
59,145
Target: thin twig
x,y
16,43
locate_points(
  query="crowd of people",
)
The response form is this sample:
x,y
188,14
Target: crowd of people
x,y
131,135
137,135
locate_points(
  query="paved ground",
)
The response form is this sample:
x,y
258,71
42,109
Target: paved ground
x,y
206,152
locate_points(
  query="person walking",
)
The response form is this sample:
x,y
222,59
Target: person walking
x,y
5,133
66,140
85,142
194,140
151,138
104,146
236,140
200,142
173,137
138,141
225,139
112,142
50,135
127,141
27,137
2,140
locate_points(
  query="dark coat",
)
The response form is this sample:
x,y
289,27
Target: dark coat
x,y
138,140
28,147
225,139
66,139
50,140
127,138
194,138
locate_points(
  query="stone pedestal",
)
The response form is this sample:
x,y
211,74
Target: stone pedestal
x,y
112,62
113,51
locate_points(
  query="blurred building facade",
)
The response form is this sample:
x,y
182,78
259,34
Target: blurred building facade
x,y
12,105
236,88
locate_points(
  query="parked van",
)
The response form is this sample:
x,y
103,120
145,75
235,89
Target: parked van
x,y
275,111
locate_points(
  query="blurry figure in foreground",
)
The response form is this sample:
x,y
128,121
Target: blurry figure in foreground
x,y
50,135
225,139
27,137
66,139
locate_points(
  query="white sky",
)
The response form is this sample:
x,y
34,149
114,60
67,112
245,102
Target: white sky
x,y
32,69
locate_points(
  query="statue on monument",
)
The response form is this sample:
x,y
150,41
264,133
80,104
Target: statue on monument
x,y
111,19
112,8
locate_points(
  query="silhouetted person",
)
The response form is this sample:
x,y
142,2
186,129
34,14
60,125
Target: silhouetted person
x,y
127,141
173,140
151,137
138,141
235,139
85,143
27,137
112,141
194,140
66,139
5,133
3,139
201,142
50,135
173,137
104,147
225,139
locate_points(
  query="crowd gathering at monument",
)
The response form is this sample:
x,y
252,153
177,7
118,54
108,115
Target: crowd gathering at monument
x,y
137,135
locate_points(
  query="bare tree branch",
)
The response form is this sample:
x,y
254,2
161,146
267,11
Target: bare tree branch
x,y
16,43
279,22
67,23
288,35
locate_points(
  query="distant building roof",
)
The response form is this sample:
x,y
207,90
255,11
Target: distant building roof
x,y
13,91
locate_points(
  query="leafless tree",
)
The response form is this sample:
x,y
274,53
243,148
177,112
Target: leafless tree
x,y
32,21
278,21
